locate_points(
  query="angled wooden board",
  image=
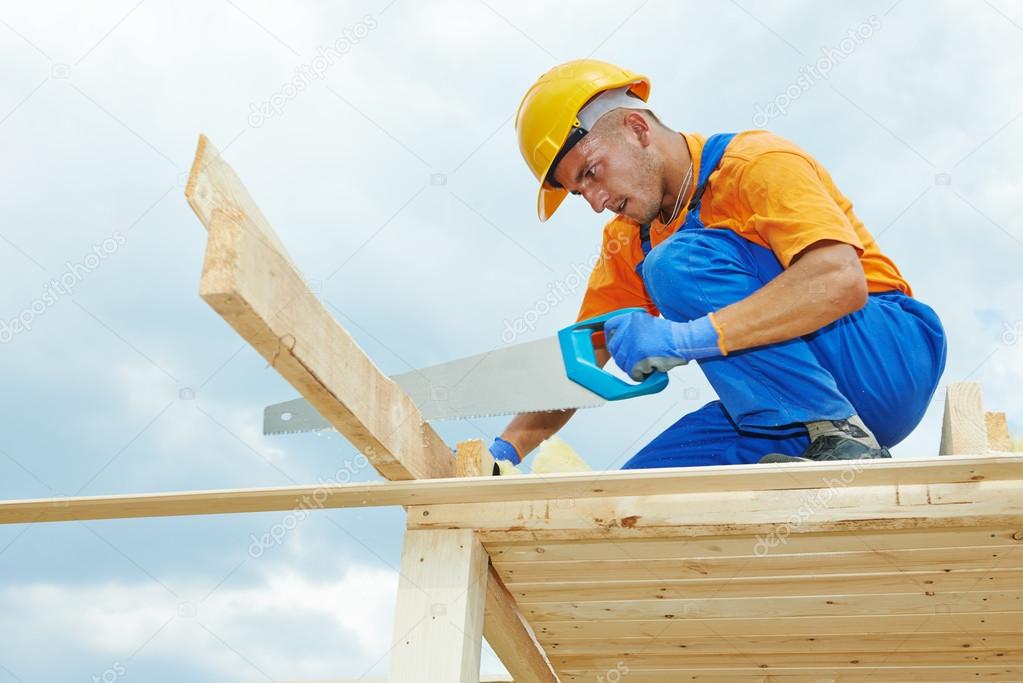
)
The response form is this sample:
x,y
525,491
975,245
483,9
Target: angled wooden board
x,y
250,280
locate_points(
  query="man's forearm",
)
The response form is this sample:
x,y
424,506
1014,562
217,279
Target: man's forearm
x,y
826,283
527,430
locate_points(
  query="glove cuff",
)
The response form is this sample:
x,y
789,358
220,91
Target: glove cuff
x,y
697,339
505,450
722,346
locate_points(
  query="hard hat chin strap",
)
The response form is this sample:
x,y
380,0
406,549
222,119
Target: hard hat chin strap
x,y
587,118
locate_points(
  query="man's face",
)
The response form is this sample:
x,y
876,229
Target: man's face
x,y
614,169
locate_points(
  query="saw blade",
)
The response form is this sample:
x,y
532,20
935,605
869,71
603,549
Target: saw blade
x,y
293,417
525,378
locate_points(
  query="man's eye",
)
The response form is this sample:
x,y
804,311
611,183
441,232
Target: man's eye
x,y
591,172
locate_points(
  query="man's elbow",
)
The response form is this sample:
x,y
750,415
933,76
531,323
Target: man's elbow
x,y
852,288
838,271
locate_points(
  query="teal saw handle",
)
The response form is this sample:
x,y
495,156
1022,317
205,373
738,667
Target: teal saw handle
x,y
581,362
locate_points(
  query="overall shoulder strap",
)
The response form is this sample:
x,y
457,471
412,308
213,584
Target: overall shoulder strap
x,y
713,150
644,238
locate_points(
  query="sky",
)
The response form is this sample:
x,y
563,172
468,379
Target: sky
x,y
377,137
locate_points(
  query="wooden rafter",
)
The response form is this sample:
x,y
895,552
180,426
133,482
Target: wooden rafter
x,y
250,280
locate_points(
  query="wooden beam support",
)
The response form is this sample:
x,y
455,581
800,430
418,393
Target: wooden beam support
x,y
507,632
250,280
503,625
472,459
561,490
998,438
963,429
769,514
438,628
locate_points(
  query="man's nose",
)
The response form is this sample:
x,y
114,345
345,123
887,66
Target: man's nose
x,y
596,198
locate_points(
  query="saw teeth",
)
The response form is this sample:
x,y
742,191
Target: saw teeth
x,y
514,412
279,432
477,416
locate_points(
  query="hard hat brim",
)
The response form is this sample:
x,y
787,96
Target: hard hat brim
x,y
548,200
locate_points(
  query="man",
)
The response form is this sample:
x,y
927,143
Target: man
x,y
762,272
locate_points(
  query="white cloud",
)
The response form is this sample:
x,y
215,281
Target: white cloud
x,y
286,625
438,279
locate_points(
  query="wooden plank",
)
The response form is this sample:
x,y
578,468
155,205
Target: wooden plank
x,y
775,515
503,625
787,644
998,437
894,625
438,628
508,554
251,282
963,429
802,675
776,606
508,633
213,187
772,565
743,586
472,459
864,662
560,494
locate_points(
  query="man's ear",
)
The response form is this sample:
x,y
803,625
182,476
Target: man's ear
x,y
638,127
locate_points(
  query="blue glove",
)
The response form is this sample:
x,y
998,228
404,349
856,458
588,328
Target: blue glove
x,y
504,450
642,343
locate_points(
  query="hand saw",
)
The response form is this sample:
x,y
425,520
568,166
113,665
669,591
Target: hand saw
x,y
557,373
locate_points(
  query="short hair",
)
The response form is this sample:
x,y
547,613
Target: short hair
x,y
620,112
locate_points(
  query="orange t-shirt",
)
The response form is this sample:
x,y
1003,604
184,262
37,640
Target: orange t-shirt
x,y
766,189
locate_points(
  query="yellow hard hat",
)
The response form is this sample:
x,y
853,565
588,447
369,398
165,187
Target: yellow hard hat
x,y
548,114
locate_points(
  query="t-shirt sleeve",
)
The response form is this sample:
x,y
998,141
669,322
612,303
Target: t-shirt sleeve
x,y
791,207
614,283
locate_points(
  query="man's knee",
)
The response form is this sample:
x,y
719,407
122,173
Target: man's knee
x,y
671,277
690,275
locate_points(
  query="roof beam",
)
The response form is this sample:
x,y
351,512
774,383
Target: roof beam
x,y
562,490
249,279
844,506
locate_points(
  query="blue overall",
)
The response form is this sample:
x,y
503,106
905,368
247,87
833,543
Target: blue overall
x,y
882,362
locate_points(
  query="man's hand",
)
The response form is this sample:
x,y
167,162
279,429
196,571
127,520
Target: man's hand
x,y
642,343
505,455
